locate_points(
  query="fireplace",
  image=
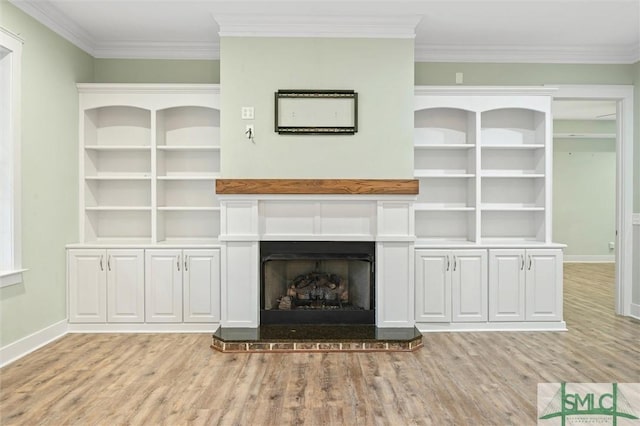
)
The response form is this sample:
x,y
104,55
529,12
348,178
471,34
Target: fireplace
x,y
317,282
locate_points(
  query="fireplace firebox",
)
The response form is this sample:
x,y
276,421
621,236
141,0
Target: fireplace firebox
x,y
317,282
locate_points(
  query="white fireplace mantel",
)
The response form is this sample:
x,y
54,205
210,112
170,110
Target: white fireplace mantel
x,y
247,219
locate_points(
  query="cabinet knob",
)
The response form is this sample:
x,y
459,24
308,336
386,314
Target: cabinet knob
x,y
101,266
530,262
522,262
109,262
178,262
186,258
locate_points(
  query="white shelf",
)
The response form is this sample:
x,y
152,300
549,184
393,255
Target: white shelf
x,y
122,176
510,207
119,242
441,174
210,176
444,146
118,208
188,148
516,241
189,242
511,174
188,209
444,242
118,148
442,207
520,146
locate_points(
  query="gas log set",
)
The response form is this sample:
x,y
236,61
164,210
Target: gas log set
x,y
316,290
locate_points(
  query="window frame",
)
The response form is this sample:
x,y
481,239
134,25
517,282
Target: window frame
x,y
10,140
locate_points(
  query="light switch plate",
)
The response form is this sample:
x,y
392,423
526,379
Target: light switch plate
x,y
247,113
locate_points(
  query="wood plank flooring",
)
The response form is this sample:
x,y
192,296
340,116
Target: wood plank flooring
x,y
457,378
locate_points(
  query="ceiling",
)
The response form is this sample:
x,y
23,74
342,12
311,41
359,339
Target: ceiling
x,y
549,31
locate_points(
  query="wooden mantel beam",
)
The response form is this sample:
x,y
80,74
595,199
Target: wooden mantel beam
x,y
318,186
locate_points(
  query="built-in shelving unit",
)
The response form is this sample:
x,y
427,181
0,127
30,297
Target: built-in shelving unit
x,y
150,156
482,156
484,258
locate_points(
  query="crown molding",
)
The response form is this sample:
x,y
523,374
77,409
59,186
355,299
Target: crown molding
x,y
528,54
330,26
49,16
158,50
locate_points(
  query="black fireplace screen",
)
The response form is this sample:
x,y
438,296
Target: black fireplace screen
x,y
317,282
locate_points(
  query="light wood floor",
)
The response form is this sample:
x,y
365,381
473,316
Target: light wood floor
x,y
457,378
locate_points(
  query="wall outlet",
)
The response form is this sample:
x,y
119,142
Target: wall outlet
x,y
612,245
459,78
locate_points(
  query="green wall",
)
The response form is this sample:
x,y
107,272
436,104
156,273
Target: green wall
x,y
50,69
584,188
156,71
584,195
379,70
522,74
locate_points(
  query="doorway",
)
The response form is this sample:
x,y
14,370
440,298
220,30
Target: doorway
x,y
622,96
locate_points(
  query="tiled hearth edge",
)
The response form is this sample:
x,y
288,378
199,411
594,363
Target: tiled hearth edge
x,y
235,347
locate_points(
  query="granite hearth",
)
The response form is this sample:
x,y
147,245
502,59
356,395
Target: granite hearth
x,y
317,338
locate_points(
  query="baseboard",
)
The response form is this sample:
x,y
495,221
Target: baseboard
x,y
598,258
143,328
491,326
26,345
635,311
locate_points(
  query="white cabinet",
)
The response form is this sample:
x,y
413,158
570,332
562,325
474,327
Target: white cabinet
x,y
201,291
525,285
182,285
451,285
149,157
544,285
87,286
163,285
433,286
106,285
507,285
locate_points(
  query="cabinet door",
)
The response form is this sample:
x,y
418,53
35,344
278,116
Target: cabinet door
x,y
507,285
433,286
125,285
201,292
469,285
544,285
87,286
163,285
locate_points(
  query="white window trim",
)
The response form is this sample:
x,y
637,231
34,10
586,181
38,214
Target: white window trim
x,y
13,44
